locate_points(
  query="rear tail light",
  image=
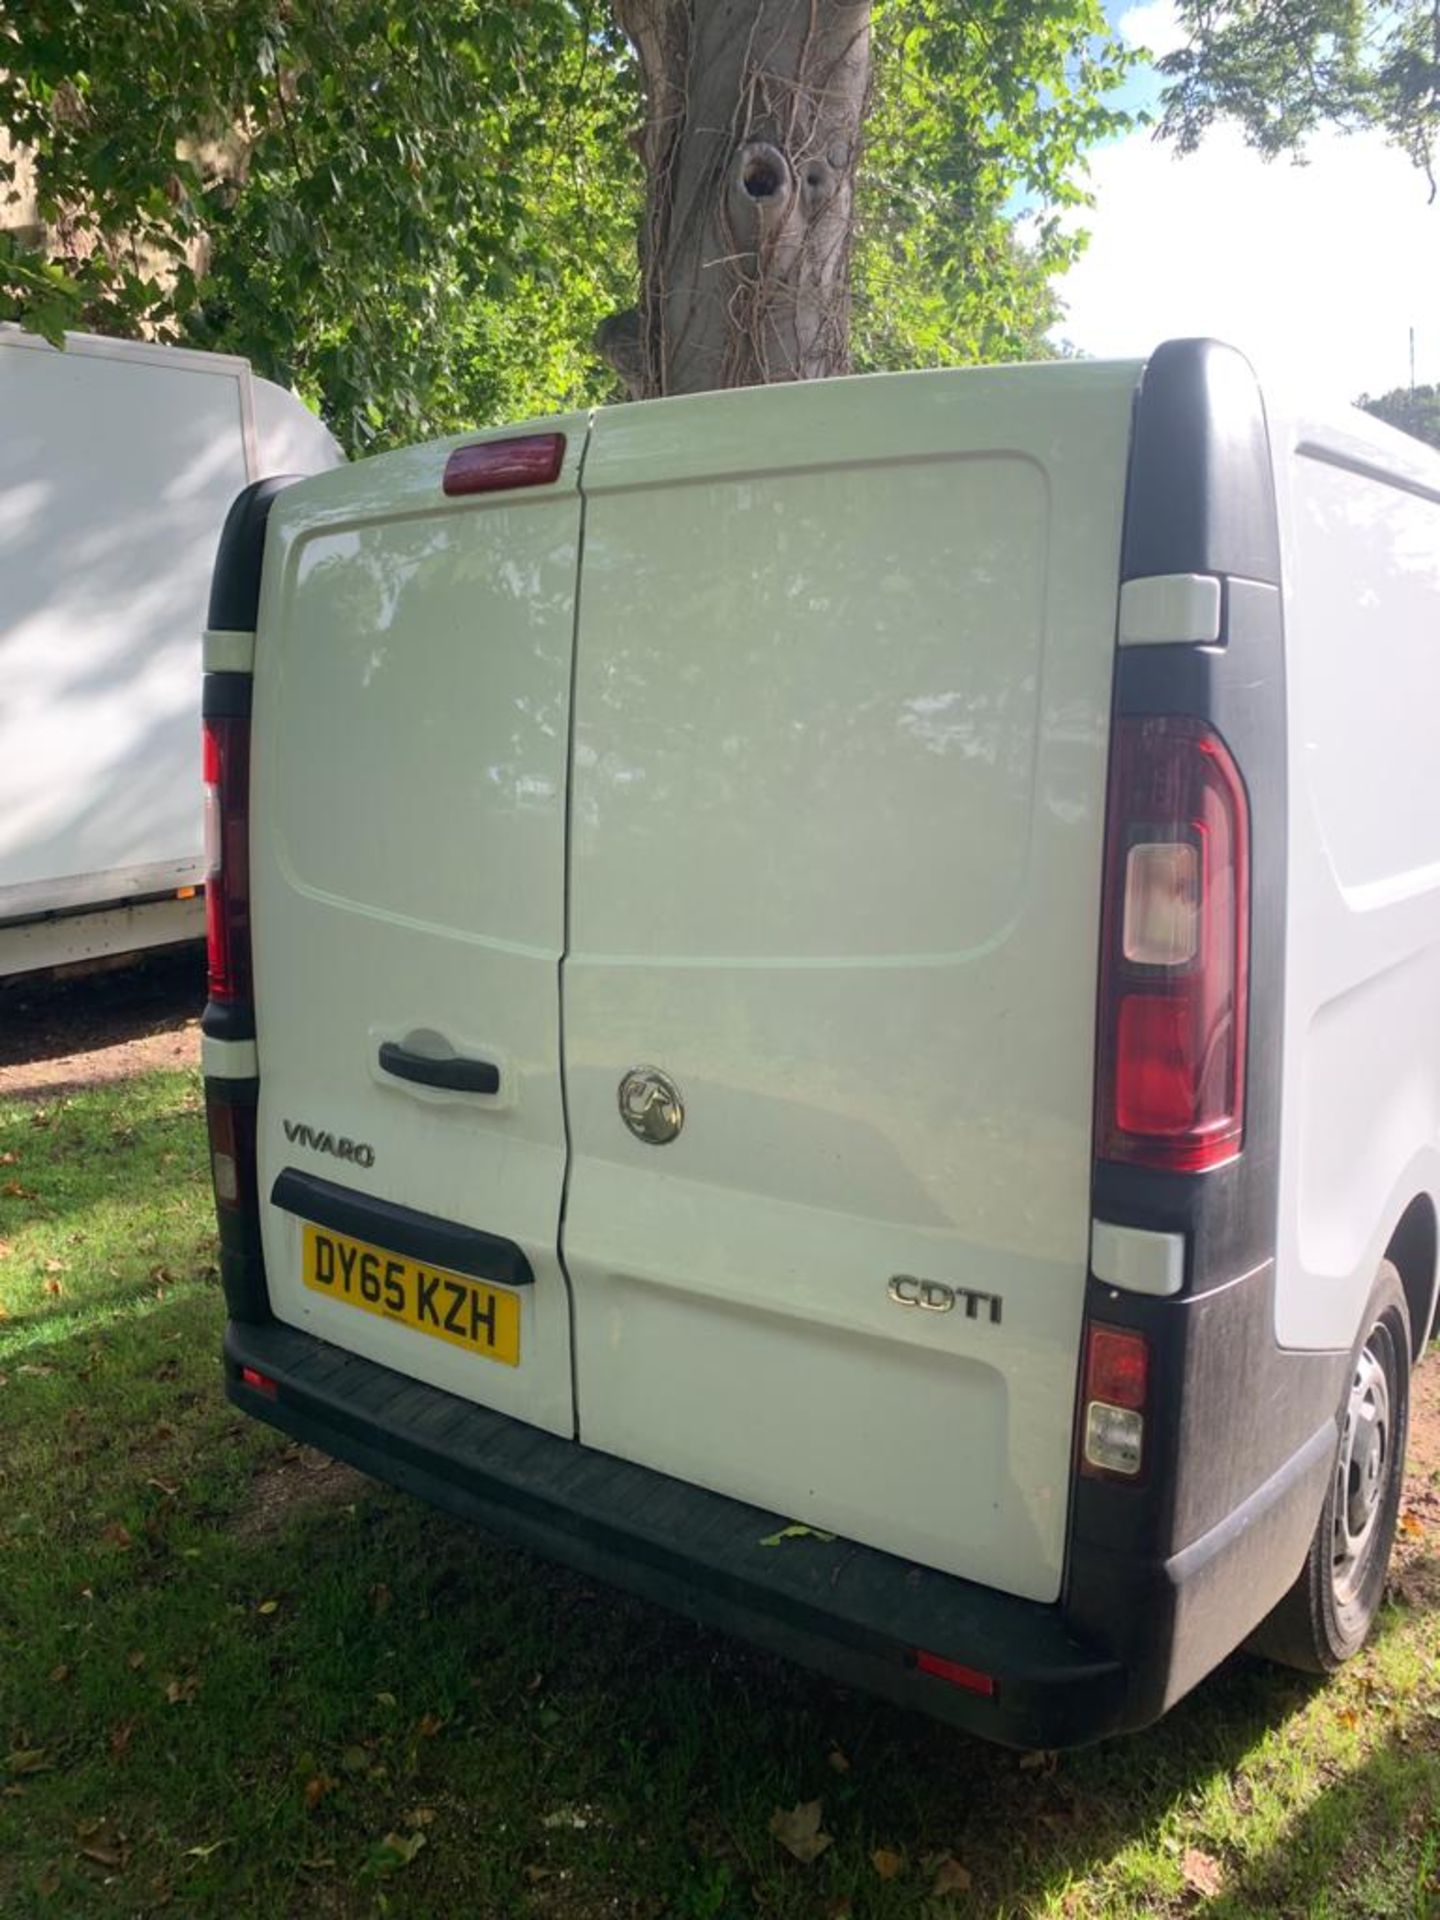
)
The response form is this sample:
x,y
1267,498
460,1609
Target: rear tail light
x,y
259,1382
1171,1081
227,857
1115,1401
231,1125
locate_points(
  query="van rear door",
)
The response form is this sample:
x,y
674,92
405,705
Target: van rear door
x,y
408,782
843,679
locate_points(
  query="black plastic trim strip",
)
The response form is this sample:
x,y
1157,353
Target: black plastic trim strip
x,y
420,1236
1202,491
240,559
226,696
228,1020
1237,1428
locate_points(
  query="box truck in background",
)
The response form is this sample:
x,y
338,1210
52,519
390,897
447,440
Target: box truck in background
x,y
118,460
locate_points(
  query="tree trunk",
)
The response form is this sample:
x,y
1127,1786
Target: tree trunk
x,y
753,111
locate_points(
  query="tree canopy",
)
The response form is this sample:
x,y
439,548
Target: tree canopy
x,y
418,215
1283,68
1415,410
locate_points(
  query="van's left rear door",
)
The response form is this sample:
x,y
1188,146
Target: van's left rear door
x,y
408,792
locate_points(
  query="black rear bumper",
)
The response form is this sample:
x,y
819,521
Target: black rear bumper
x,y
851,1612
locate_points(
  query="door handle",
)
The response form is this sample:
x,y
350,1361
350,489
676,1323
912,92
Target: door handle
x,y
456,1075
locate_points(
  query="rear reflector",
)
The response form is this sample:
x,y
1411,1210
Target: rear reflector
x,y
1170,1088
1115,1399
530,460
226,744
259,1382
951,1671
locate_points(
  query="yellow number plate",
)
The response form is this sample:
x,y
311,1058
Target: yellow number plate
x,y
447,1306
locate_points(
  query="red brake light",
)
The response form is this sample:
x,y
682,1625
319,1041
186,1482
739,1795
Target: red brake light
x,y
1114,1403
227,856
1171,1082
529,460
259,1382
1117,1367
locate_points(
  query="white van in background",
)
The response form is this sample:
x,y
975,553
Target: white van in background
x,y
118,460
864,953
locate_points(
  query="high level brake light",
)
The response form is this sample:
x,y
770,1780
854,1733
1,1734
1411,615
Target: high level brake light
x,y
227,857
1171,1080
495,466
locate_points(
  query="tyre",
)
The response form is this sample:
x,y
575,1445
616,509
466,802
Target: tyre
x,y
1328,1613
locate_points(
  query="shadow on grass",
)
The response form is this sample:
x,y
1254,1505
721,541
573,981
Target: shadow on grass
x,y
308,1686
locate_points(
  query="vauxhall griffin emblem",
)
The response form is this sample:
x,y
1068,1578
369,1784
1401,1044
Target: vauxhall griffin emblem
x,y
650,1105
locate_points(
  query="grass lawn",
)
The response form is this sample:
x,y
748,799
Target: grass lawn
x,y
237,1681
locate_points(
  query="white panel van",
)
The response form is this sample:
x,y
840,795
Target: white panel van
x,y
118,462
861,954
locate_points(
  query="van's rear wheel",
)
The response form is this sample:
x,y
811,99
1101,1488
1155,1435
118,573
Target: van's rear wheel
x,y
1328,1613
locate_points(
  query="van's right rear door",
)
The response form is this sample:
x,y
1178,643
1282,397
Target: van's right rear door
x,y
843,677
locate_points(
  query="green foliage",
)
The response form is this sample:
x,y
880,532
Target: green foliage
x,y
976,111
1414,410
1283,70
378,205
417,216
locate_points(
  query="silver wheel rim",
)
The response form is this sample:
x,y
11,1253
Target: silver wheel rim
x,y
1361,1473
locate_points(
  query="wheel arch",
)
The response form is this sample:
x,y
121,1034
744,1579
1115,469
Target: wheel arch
x,y
1412,1250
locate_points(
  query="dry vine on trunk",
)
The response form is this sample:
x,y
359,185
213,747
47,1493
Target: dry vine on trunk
x,y
753,113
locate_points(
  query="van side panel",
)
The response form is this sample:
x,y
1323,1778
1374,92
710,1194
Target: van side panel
x,y
844,666
1361,524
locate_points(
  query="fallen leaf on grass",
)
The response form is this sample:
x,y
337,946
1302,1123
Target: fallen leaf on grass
x,y
420,1817
168,1487
36,1372
1412,1526
428,1725
103,1856
403,1846
135,1661
950,1877
886,1863
117,1534
316,1788
27,1760
59,1675
120,1739
180,1692
56,1266
54,1289
204,1853
798,1831
268,1606
1201,1871
13,1190
8,1159
794,1532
